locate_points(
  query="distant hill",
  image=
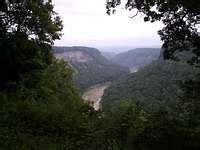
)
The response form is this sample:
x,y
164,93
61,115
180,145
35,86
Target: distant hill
x,y
136,58
90,67
157,83
109,55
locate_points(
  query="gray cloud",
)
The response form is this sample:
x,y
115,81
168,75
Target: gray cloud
x,y
86,23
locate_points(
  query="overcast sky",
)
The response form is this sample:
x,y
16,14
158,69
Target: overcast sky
x,y
87,24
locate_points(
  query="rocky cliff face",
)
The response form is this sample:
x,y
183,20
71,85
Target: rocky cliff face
x,y
76,56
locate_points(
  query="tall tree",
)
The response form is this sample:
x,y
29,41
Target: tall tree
x,y
36,19
28,29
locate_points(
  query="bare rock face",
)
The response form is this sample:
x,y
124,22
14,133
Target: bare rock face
x,y
76,56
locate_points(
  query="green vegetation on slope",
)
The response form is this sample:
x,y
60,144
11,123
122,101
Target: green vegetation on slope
x,y
90,67
155,108
157,83
45,112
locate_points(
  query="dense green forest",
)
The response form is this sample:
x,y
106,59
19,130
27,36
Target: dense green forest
x,y
155,84
89,66
40,108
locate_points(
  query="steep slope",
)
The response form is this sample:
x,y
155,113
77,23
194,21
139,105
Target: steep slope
x,y
136,58
90,67
155,84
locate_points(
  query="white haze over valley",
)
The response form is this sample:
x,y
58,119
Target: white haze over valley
x,y
87,24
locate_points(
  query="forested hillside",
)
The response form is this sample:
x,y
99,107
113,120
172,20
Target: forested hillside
x,y
155,84
89,66
136,58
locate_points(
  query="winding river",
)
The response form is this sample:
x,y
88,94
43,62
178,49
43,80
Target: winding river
x,y
95,93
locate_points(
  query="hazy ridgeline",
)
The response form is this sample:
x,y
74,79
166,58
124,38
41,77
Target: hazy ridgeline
x,y
136,59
